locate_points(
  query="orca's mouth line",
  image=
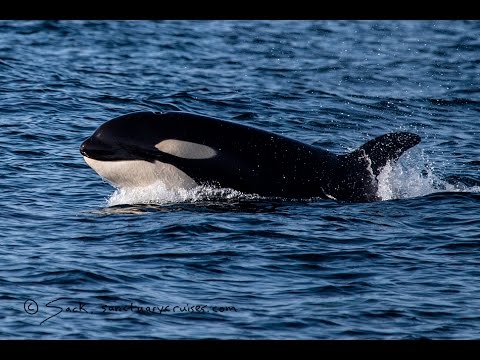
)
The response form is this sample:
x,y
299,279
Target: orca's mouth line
x,y
97,150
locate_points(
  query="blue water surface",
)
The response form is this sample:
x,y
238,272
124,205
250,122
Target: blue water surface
x,y
79,259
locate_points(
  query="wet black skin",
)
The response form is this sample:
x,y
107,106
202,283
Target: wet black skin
x,y
249,159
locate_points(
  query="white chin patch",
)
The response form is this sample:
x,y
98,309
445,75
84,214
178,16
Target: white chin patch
x,y
139,173
186,149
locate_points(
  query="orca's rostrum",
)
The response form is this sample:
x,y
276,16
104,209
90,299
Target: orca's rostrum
x,y
184,150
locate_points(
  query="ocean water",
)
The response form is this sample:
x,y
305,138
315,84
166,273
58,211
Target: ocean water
x,y
82,260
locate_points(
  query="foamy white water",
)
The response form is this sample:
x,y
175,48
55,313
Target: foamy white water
x,y
413,176
158,194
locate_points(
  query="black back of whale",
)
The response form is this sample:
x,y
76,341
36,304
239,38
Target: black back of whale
x,y
249,159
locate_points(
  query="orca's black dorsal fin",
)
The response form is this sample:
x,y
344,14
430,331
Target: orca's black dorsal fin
x,y
386,148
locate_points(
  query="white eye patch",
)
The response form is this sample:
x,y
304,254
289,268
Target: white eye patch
x,y
186,149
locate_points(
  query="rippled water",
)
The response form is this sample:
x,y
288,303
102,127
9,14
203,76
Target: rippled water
x,y
218,264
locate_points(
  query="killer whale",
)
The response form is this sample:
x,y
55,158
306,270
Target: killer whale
x,y
184,150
